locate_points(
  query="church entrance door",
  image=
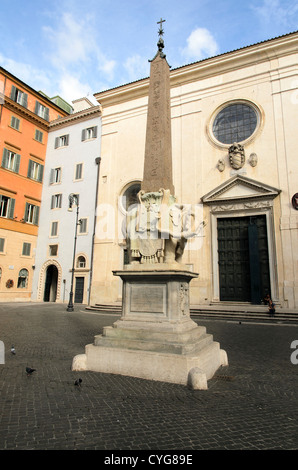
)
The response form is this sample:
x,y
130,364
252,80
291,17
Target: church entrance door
x,y
243,259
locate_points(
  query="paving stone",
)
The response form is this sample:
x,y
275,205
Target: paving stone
x,y
251,404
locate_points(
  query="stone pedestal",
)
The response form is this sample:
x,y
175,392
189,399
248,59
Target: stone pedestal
x,y
155,338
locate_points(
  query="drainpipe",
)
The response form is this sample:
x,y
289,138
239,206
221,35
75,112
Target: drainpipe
x,y
97,161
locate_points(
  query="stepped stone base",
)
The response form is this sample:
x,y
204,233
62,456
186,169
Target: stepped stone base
x,y
155,339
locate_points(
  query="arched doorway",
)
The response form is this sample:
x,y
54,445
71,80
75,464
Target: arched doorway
x,y
51,282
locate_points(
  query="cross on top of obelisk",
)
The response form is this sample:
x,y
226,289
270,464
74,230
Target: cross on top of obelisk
x,y
160,31
160,43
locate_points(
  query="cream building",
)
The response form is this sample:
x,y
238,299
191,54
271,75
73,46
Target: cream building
x,y
243,193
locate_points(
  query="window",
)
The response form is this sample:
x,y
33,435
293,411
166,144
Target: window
x,y
2,241
54,229
11,160
7,206
62,141
26,249
130,196
89,133
38,135
79,171
19,96
23,279
56,202
81,262
31,214
53,250
235,123
35,171
15,123
83,226
55,175
42,111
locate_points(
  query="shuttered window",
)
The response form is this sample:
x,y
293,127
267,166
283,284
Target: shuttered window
x,y
42,111
89,133
31,214
79,171
56,201
83,226
11,160
7,205
62,141
15,123
19,96
54,229
38,135
26,249
35,171
55,175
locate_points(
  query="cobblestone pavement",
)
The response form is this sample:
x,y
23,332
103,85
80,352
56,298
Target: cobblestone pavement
x,y
251,404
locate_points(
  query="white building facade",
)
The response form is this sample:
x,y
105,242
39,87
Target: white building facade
x,y
71,168
245,192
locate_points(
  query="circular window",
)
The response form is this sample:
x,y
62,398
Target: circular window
x,y
235,123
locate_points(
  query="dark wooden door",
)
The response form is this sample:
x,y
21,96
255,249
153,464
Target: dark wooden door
x,y
243,259
79,292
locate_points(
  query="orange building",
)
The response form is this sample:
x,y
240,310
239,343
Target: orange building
x,y
24,122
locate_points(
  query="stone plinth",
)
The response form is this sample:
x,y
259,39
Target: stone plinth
x,y
155,338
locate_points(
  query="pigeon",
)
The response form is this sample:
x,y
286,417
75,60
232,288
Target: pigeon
x,y
12,350
29,370
78,382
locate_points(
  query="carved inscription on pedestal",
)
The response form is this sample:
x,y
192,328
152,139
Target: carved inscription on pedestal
x,y
148,298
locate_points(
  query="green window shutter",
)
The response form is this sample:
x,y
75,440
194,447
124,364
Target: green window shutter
x,y
36,215
52,202
11,208
95,132
4,158
26,212
17,163
36,107
56,142
47,114
13,93
40,173
52,176
83,135
30,169
25,100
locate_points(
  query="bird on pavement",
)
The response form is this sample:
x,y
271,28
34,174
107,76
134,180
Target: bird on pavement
x,y
12,350
29,370
78,382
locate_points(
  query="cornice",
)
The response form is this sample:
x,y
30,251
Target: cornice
x,y
25,113
83,115
223,63
40,96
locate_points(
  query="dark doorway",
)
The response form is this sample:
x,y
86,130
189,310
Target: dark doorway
x,y
243,259
79,292
50,289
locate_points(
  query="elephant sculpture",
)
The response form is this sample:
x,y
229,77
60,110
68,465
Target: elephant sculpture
x,y
158,228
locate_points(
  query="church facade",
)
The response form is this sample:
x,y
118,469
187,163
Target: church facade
x,y
233,147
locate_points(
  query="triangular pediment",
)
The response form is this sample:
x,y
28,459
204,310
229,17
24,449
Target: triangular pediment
x,y
239,188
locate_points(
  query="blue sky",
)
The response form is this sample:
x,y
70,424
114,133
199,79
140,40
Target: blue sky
x,y
76,48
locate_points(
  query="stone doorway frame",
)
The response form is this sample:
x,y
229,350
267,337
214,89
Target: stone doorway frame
x,y
42,279
242,197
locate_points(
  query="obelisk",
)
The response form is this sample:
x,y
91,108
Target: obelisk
x,y
155,338
158,148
